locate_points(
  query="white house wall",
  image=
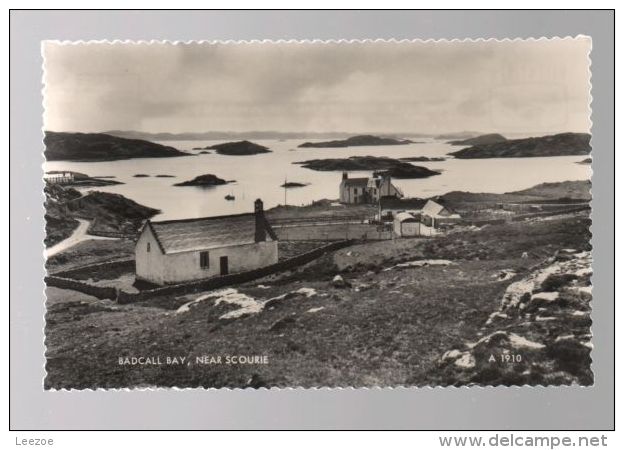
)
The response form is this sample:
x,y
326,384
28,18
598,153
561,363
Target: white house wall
x,y
149,265
180,267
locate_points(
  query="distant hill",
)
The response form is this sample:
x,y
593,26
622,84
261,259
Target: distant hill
x,y
555,145
101,147
493,138
393,167
355,141
239,148
225,135
457,135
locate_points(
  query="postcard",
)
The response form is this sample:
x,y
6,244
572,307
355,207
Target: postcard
x,y
317,214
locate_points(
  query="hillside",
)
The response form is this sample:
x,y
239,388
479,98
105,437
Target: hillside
x,y
108,213
406,313
355,141
101,147
542,193
555,145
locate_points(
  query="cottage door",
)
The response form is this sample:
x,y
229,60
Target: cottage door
x,y
223,261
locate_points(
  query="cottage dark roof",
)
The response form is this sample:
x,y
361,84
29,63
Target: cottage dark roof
x,y
357,182
175,236
391,202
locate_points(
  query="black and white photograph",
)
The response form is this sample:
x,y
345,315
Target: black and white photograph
x,y
373,213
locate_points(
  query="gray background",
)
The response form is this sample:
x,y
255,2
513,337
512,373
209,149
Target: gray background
x,y
450,408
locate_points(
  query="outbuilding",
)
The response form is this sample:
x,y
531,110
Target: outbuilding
x,y
406,224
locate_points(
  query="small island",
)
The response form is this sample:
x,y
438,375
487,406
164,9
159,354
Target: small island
x,y
563,144
390,166
355,141
140,175
423,159
585,161
165,176
101,147
239,148
492,138
293,184
204,180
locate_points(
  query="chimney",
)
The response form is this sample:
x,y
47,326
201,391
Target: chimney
x,y
260,221
345,175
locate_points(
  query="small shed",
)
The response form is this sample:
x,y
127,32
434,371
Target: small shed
x,y
406,224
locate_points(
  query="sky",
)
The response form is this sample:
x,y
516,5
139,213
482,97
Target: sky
x,y
376,87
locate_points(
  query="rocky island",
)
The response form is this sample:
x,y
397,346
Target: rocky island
x,y
390,166
293,184
356,141
239,148
101,147
204,180
493,138
556,145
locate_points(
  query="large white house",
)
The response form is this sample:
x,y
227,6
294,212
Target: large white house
x,y
176,251
367,189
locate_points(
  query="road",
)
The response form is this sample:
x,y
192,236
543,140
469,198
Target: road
x,y
80,234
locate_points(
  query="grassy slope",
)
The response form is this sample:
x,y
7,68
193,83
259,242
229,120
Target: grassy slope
x,y
389,328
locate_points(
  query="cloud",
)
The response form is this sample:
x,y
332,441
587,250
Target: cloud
x,y
384,87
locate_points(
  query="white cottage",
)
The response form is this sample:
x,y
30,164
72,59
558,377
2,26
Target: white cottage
x,y
176,251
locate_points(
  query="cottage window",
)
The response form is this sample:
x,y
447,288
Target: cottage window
x,y
148,247
204,260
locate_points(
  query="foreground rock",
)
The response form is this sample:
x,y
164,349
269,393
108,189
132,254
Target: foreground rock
x,y
101,147
204,180
239,148
555,145
540,334
356,141
393,167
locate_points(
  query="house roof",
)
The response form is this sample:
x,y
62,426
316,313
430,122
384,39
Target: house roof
x,y
433,208
176,236
358,182
392,202
405,217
